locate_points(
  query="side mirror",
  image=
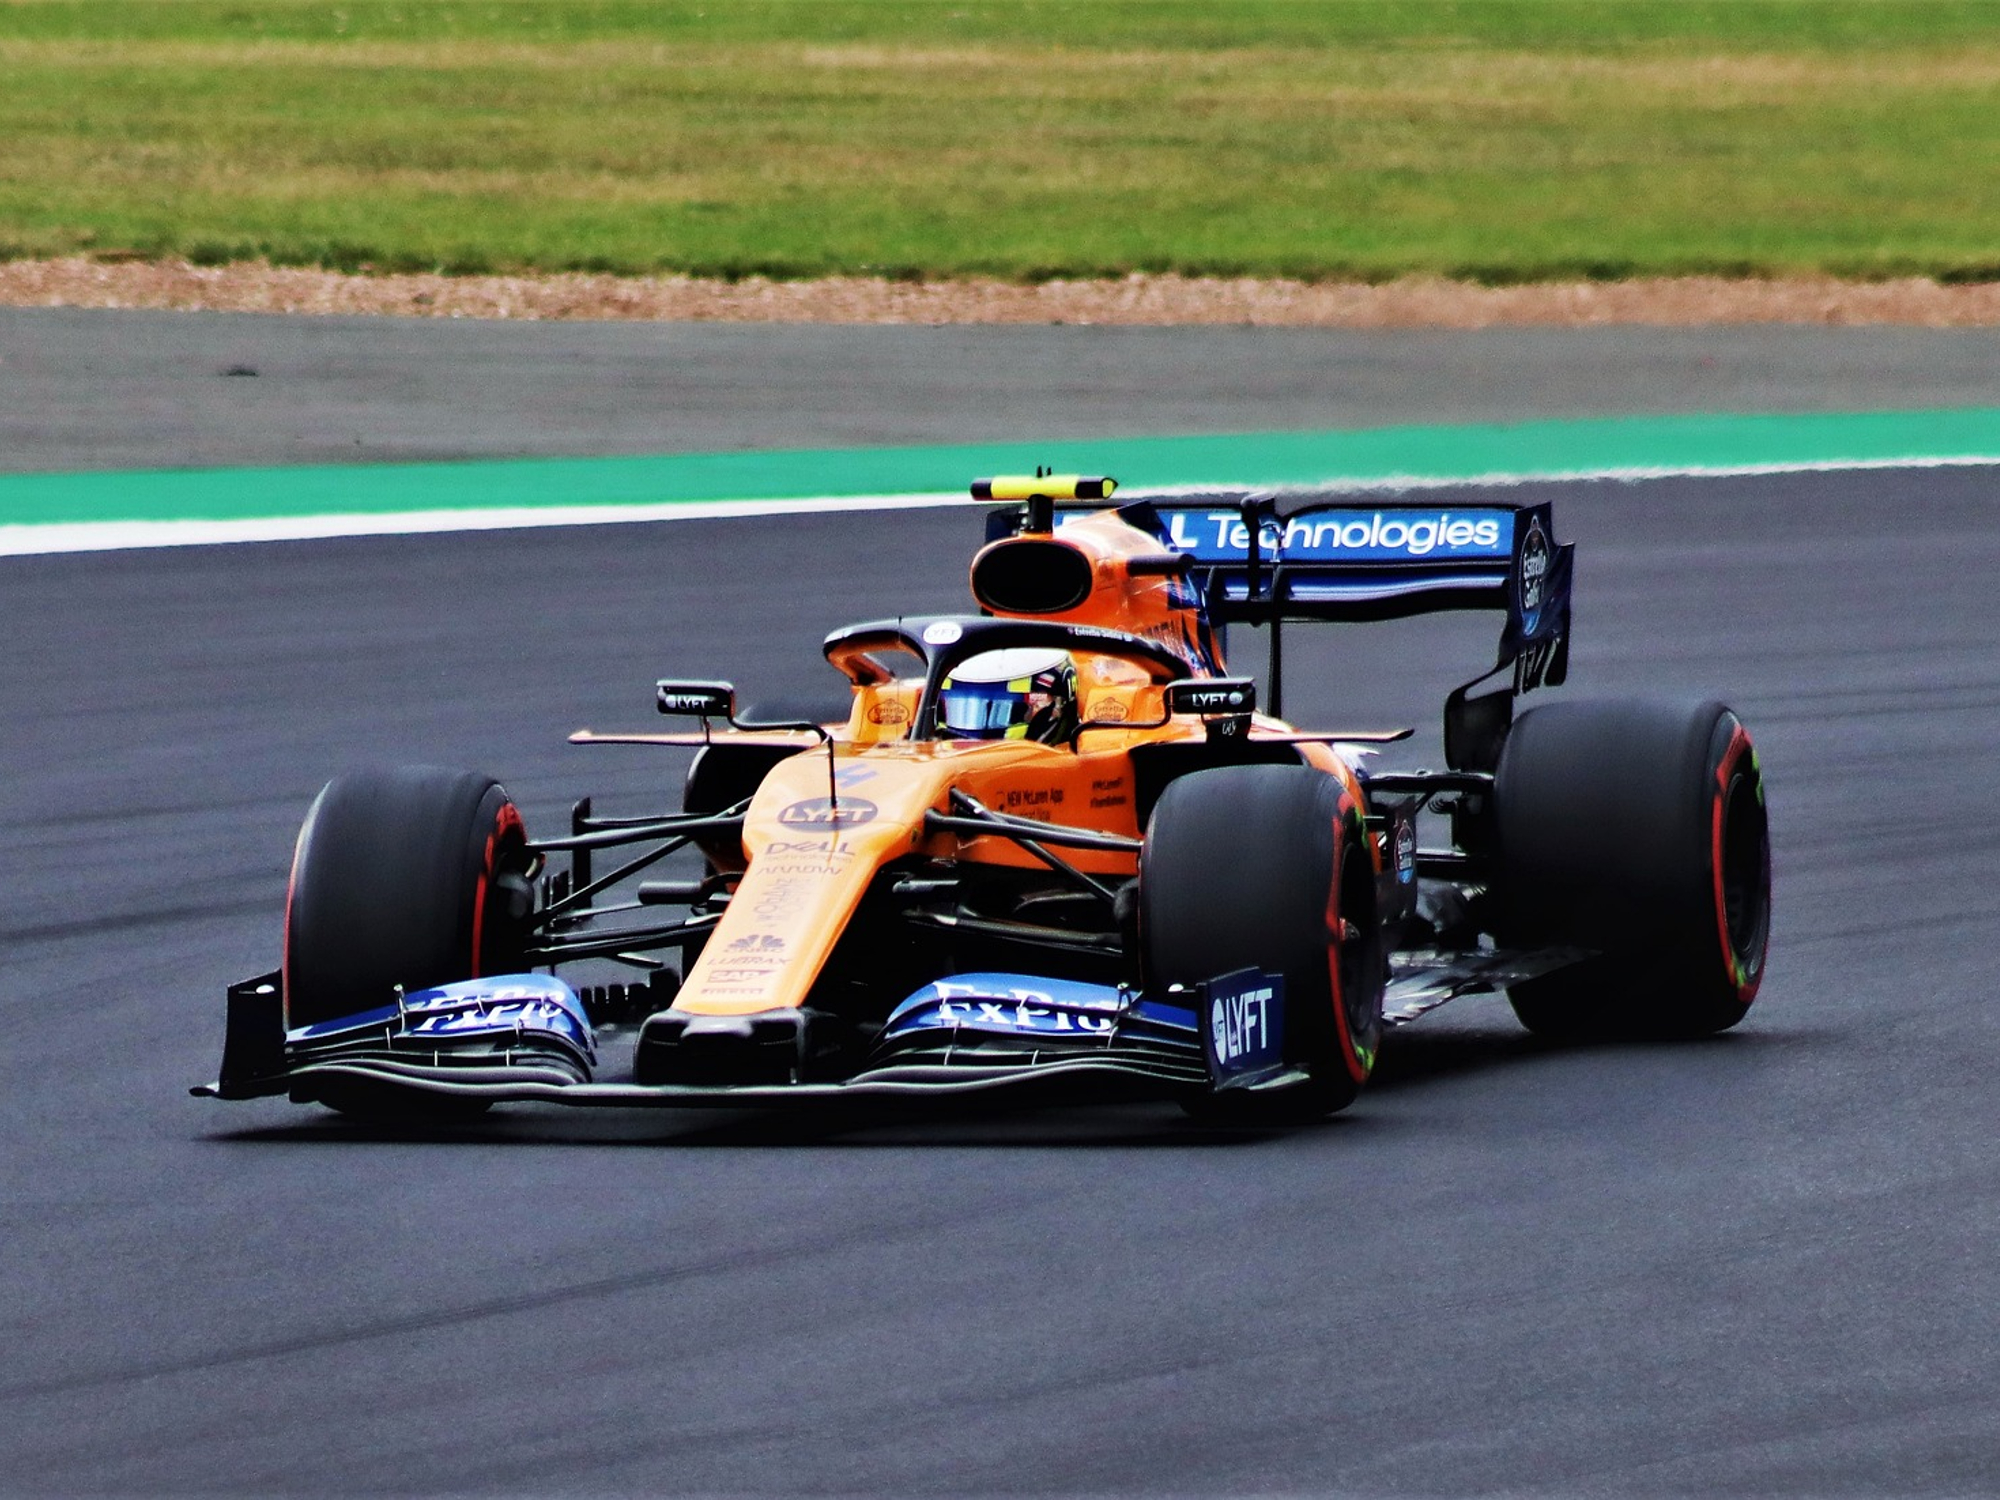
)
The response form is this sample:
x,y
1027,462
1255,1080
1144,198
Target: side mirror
x,y
697,700
1211,696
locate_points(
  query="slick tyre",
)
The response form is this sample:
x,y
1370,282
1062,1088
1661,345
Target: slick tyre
x,y
413,876
1267,867
1638,830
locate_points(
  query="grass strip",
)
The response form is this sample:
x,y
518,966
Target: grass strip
x,y
1501,141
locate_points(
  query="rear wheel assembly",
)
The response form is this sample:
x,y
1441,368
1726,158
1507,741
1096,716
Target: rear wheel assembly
x,y
1636,830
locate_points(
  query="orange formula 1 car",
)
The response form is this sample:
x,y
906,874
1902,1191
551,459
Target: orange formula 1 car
x,y
1055,850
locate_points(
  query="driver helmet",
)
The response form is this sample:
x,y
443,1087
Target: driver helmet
x,y
1023,693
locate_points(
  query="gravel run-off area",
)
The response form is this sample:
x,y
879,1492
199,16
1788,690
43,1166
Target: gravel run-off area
x,y
1137,299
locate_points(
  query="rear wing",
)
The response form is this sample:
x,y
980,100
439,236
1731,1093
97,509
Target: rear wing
x,y
1264,560
1353,560
1260,562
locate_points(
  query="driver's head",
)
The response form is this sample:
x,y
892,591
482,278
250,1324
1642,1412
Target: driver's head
x,y
1027,693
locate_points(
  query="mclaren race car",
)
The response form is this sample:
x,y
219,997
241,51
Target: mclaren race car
x,y
1054,850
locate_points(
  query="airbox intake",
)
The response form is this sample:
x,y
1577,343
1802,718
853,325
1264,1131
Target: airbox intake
x,y
1031,576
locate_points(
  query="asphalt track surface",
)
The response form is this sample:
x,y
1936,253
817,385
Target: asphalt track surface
x,y
1758,1264
82,389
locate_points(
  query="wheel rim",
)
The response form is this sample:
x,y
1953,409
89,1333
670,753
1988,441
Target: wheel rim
x,y
1744,874
496,936
1357,963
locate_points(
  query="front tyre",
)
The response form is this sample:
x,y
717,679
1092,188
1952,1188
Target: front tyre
x,y
405,877
1636,829
1267,867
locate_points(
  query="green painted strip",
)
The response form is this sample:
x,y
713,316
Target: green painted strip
x,y
1526,448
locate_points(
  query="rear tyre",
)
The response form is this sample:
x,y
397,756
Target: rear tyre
x,y
412,876
1266,867
1637,829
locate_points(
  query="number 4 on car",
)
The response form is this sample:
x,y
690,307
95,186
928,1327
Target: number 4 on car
x,y
1054,850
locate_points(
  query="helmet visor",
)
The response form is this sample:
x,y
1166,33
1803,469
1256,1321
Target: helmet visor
x,y
984,710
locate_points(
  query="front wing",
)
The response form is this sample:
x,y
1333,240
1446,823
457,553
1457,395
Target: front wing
x,y
529,1039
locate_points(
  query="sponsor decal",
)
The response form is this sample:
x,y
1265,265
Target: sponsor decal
x,y
1112,671
1406,853
779,848
706,699
942,632
508,1016
1025,801
1111,640
777,899
742,974
1107,710
1013,1003
1074,996
1533,582
1243,1026
752,959
689,703
1195,700
820,812
1019,1015
888,713
1021,1009
852,775
484,992
802,869
1240,1024
1346,536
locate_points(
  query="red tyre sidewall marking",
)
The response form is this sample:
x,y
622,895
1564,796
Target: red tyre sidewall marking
x,y
507,820
1334,922
1745,980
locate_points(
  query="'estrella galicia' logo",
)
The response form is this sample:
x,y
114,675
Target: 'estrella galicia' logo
x,y
818,812
1534,575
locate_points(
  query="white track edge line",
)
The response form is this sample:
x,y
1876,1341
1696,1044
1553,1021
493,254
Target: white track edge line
x,y
110,536
48,538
